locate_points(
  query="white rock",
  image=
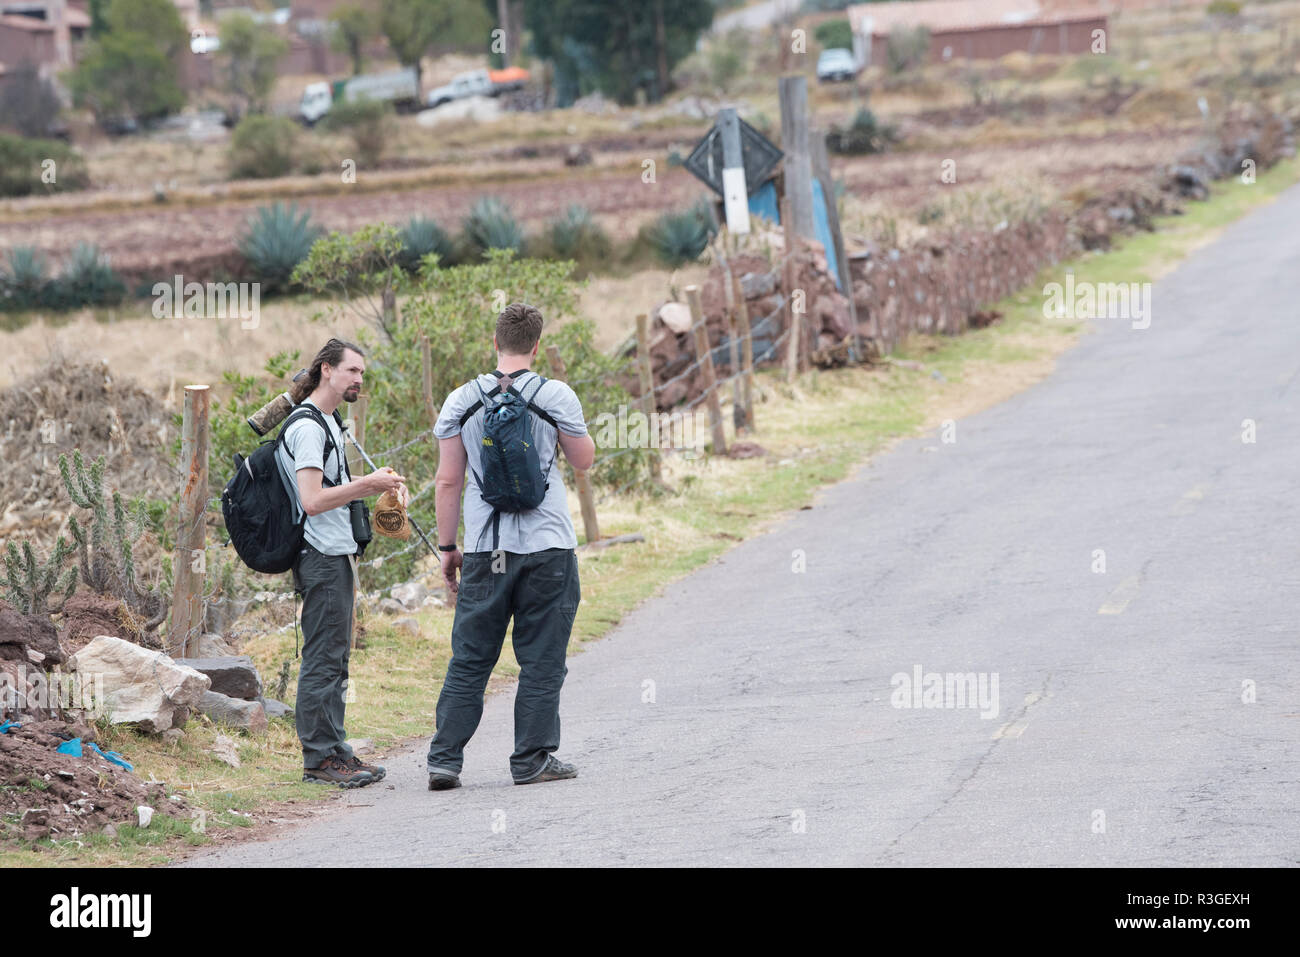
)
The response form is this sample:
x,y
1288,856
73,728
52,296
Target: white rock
x,y
410,594
224,749
141,687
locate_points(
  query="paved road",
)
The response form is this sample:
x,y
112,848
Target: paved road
x,y
1121,735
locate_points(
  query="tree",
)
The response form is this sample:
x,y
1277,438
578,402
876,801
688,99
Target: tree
x,y
121,76
354,27
413,27
156,20
97,22
249,54
129,70
615,48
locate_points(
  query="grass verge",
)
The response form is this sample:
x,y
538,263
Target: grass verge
x,y
815,432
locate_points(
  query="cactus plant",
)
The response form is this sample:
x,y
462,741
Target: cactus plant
x,y
105,552
29,582
491,225
275,239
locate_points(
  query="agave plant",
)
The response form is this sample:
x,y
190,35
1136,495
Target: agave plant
x,y
275,239
23,278
491,225
421,236
87,280
575,235
680,237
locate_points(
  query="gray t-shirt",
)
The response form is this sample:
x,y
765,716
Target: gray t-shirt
x,y
329,532
547,526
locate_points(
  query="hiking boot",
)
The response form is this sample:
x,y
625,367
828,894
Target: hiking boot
x,y
442,781
334,771
553,770
376,771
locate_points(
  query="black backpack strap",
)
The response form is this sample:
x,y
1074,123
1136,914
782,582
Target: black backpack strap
x,y
532,404
311,412
478,403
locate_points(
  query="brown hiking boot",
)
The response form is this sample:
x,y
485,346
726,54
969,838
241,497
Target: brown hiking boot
x,y
376,771
334,771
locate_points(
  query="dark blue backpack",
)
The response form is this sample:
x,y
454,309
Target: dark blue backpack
x,y
513,479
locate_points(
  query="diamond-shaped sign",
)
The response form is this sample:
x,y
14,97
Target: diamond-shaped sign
x,y
759,155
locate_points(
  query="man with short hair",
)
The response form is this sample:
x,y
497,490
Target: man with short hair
x,y
529,573
324,572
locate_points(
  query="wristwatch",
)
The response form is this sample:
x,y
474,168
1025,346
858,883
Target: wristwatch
x,y
447,548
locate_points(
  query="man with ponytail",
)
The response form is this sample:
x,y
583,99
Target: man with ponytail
x,y
312,463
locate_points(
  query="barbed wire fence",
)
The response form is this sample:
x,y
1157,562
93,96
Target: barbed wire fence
x,y
764,345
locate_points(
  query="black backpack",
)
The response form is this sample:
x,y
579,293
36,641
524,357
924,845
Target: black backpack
x,y
513,479
258,507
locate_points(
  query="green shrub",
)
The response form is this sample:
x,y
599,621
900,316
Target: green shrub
x,y
834,35
457,308
421,236
368,122
1223,8
263,146
680,237
864,135
275,239
23,278
575,235
907,48
491,225
726,57
24,164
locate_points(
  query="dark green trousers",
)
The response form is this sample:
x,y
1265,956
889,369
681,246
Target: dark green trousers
x,y
325,583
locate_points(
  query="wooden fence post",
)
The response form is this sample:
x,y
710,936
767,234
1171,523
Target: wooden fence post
x,y
793,315
792,93
746,352
646,377
426,373
704,356
189,563
585,497
738,409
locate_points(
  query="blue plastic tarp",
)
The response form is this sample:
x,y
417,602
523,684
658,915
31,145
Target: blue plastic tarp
x,y
763,203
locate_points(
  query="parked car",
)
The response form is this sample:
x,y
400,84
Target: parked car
x,y
836,65
478,83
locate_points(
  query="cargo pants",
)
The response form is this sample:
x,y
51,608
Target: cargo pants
x,y
541,591
326,585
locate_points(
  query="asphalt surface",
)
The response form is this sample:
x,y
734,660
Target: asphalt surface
x,y
1121,737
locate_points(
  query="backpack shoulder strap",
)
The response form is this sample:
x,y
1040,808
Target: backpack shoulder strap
x,y
532,404
310,412
478,403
